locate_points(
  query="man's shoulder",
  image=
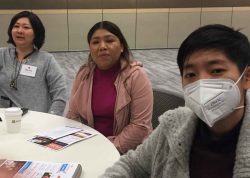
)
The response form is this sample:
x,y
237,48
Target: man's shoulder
x,y
179,113
177,118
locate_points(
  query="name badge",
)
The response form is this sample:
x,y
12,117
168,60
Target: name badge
x,y
28,70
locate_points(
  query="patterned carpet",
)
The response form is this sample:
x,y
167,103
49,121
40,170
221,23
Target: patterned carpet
x,y
159,64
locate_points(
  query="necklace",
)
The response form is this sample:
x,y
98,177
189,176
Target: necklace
x,y
13,82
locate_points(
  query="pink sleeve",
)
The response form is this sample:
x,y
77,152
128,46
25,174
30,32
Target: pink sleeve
x,y
72,111
141,108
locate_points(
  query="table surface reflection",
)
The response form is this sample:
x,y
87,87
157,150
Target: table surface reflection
x,y
94,154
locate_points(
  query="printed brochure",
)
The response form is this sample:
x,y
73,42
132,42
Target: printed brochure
x,y
61,137
39,169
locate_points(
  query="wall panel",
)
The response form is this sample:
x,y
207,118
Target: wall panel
x,y
181,23
16,4
86,4
152,28
218,3
55,22
216,16
241,19
242,3
183,3
80,22
152,3
5,18
126,20
118,4
145,23
49,4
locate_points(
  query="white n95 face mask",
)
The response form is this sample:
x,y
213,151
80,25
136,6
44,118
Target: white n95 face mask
x,y
212,99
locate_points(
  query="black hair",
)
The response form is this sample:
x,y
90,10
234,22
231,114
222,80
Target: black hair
x,y
232,43
37,26
114,29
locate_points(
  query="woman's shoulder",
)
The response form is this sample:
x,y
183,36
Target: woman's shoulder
x,y
134,68
84,70
135,63
45,54
5,49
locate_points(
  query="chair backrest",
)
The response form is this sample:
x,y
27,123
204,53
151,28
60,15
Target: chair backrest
x,y
164,101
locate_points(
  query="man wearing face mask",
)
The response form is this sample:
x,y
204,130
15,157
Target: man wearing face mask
x,y
210,136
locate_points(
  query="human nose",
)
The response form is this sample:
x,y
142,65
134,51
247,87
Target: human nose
x,y
103,45
204,75
19,29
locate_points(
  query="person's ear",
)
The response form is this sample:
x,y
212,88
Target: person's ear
x,y
246,78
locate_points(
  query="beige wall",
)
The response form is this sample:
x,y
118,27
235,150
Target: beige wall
x,y
66,29
126,20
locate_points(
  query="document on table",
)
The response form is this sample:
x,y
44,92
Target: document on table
x,y
39,169
61,137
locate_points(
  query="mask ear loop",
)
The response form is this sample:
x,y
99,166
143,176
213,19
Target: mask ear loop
x,y
239,107
241,75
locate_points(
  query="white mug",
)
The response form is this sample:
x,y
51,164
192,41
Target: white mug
x,y
13,119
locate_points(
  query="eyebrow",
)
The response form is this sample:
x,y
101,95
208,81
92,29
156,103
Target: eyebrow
x,y
106,36
18,23
211,62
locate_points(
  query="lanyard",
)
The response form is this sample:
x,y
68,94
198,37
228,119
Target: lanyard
x,y
13,83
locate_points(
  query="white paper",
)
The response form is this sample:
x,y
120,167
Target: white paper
x,y
37,169
61,137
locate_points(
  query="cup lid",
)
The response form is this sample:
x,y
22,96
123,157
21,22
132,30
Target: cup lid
x,y
13,110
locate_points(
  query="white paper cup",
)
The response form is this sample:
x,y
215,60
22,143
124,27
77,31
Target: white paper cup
x,y
13,119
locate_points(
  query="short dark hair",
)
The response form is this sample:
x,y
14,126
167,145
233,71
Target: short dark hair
x,y
36,23
114,29
232,43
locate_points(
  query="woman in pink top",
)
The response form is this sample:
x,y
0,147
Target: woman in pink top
x,y
112,92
